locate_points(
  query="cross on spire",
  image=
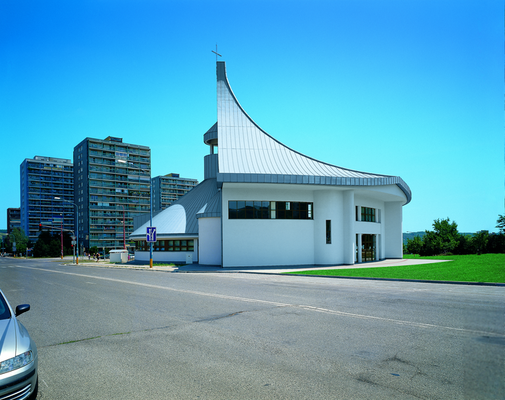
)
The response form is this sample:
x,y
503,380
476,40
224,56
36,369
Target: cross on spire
x,y
216,53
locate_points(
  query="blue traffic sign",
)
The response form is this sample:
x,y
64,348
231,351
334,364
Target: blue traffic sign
x,y
151,234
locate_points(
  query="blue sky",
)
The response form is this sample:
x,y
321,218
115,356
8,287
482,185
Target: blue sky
x,y
408,87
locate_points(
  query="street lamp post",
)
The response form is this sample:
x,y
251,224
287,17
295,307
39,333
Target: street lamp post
x,y
151,219
77,226
150,207
61,237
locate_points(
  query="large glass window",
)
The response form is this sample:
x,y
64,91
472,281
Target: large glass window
x,y
252,209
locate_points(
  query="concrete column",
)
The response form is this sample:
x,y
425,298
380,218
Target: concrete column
x,y
393,229
360,259
349,233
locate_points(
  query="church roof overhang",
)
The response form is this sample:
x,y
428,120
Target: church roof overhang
x,y
316,180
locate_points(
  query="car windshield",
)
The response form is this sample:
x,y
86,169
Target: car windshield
x,y
4,310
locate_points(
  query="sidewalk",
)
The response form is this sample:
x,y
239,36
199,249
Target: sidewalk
x,y
197,268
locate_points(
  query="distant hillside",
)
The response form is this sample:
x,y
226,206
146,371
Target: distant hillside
x,y
411,235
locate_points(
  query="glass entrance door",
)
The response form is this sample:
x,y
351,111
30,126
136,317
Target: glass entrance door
x,y
368,248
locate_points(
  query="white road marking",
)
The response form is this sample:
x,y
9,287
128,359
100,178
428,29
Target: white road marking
x,y
277,304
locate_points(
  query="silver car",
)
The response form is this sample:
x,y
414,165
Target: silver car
x,y
18,355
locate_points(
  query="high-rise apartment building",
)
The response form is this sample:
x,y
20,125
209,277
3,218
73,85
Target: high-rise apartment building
x,y
112,182
43,179
169,188
13,219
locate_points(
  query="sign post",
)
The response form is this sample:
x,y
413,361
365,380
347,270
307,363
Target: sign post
x,y
151,238
73,249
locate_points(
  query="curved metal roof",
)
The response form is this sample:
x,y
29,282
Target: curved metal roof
x,y
180,219
249,154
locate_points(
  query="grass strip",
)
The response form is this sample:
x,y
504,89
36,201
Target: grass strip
x,y
468,268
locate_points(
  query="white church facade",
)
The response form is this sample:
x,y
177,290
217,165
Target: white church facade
x,y
264,204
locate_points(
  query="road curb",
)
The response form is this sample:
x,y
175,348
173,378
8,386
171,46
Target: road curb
x,y
393,279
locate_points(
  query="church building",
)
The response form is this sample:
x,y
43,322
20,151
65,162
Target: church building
x,y
264,204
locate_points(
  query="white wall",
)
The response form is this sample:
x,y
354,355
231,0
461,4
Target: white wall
x,y
209,232
303,242
270,241
393,236
328,205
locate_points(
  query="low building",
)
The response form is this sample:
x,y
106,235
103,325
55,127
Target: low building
x,y
264,204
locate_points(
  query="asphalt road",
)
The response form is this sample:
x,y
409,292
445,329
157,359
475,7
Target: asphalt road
x,y
106,333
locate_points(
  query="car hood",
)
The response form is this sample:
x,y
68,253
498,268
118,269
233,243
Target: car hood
x,y
8,338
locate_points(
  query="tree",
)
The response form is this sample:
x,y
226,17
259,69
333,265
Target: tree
x,y
500,223
414,245
465,245
442,240
496,243
18,236
480,240
40,249
49,245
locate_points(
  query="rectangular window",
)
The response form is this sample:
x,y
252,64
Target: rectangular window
x,y
249,209
368,214
328,231
167,245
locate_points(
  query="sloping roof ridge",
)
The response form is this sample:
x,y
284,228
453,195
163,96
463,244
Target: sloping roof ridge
x,y
212,208
225,80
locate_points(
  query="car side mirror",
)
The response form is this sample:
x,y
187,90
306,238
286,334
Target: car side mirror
x,y
22,308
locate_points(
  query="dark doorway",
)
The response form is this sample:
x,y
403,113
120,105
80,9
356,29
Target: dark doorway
x,y
367,248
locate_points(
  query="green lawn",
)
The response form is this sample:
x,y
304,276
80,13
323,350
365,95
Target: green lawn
x,y
469,268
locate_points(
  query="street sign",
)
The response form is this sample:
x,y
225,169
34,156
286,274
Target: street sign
x,y
151,234
74,242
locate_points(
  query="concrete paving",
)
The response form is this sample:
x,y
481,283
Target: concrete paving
x,y
134,264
